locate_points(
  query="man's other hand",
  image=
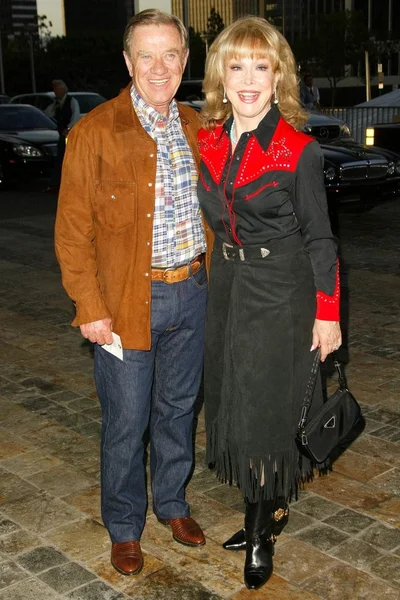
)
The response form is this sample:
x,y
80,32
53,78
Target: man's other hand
x,y
98,332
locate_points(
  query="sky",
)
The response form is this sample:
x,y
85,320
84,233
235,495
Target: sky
x,y
53,9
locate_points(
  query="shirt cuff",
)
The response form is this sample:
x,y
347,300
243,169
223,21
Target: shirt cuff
x,y
328,307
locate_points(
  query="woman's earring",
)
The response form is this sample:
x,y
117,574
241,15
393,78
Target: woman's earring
x,y
276,101
225,99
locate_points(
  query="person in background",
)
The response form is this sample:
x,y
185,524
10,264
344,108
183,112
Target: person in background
x,y
65,112
309,93
131,244
274,281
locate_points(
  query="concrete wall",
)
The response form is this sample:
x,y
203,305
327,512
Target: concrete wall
x,y
164,5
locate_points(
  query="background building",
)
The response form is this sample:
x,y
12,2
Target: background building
x,y
89,16
17,16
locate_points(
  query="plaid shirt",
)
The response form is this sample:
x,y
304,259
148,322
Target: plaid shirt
x,y
178,235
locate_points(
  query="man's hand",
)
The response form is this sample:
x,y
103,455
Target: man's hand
x,y
327,336
98,332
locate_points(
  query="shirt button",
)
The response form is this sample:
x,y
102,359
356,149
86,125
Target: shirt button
x,y
150,184
151,155
146,274
112,197
146,302
147,243
148,215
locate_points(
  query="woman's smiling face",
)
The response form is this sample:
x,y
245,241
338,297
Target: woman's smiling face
x,y
250,84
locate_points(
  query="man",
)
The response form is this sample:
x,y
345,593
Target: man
x,y
130,242
309,93
65,111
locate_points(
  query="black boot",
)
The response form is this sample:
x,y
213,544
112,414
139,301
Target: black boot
x,y
280,518
236,542
258,565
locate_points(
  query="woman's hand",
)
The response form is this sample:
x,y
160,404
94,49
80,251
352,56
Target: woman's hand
x,y
327,336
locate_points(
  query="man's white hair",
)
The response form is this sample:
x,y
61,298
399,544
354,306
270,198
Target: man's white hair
x,y
60,83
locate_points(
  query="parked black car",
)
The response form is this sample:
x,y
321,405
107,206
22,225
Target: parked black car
x,y
354,173
28,143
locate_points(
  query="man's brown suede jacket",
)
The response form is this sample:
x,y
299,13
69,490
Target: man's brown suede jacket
x,y
104,224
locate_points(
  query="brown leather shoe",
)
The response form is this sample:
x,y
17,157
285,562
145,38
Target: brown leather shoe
x,y
126,558
186,531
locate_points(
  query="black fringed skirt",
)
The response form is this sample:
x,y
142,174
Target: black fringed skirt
x,y
261,312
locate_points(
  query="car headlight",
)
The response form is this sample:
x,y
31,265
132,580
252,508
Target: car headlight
x,y
397,167
391,168
330,173
346,131
26,150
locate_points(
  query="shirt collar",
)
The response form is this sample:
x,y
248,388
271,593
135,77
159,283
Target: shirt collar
x,y
265,128
148,114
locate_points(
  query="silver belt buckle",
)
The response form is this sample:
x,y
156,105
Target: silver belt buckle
x,y
224,252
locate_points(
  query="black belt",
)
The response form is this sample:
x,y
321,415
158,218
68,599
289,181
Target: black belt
x,y
271,248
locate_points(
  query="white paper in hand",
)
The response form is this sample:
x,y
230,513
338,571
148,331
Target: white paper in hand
x,y
116,347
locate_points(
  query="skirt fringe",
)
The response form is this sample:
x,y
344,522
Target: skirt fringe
x,y
261,477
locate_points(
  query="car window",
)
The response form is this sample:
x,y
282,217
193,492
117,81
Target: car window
x,y
17,118
42,102
25,100
88,101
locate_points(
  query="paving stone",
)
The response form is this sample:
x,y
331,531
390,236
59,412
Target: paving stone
x,y
64,397
317,507
91,431
7,526
29,590
40,512
95,591
40,559
356,552
349,521
166,584
12,487
17,542
46,387
342,582
297,521
10,573
82,540
66,577
383,537
29,463
296,561
321,536
388,568
389,481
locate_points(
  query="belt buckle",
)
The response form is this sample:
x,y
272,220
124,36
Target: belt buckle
x,y
224,251
165,272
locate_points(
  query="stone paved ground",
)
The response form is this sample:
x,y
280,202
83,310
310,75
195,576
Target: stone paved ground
x,y
343,541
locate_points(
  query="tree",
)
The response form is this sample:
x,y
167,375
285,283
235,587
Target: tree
x,y
339,41
215,25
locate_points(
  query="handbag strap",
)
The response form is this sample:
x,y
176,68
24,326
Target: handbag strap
x,y
312,381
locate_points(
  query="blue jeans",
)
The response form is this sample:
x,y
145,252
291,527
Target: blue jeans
x,y
154,390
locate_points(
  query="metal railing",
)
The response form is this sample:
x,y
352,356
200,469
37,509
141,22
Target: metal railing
x,y
358,118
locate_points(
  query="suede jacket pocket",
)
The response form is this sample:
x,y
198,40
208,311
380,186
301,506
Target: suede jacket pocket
x,y
115,204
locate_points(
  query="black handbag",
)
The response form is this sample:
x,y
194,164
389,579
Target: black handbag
x,y
318,437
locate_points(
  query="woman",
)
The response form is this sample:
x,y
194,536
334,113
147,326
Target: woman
x,y
274,289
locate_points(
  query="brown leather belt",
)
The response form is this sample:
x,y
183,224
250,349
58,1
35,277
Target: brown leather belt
x,y
175,274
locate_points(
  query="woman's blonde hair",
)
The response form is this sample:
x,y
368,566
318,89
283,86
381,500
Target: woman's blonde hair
x,y
251,37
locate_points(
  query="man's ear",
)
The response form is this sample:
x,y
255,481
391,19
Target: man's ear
x,y
128,63
185,59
